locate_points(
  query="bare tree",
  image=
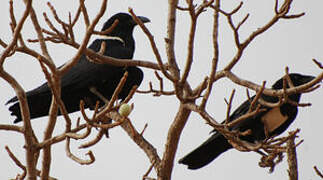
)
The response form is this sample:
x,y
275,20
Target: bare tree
x,y
191,99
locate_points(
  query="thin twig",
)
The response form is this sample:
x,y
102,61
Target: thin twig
x,y
215,58
131,93
271,92
75,158
292,159
145,176
61,137
95,140
153,45
17,162
318,63
190,47
256,98
14,128
229,105
156,92
245,116
109,30
76,17
318,172
144,145
280,13
86,38
170,40
16,34
144,129
85,14
114,96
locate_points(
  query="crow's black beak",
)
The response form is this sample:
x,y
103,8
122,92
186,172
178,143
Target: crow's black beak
x,y
144,19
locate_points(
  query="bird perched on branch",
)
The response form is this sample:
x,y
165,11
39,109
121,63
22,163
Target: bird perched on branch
x,y
267,123
86,75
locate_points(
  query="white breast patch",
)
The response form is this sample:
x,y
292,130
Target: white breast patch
x,y
273,119
112,38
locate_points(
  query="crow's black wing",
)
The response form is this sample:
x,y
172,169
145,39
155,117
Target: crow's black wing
x,y
271,116
241,110
76,82
86,73
103,77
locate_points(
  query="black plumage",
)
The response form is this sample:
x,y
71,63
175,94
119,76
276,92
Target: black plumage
x,y
76,83
274,120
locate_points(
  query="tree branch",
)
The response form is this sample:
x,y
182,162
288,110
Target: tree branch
x,y
166,166
85,40
292,158
215,59
153,45
170,40
271,92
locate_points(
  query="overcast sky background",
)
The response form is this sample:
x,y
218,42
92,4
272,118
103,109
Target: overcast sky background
x,y
290,43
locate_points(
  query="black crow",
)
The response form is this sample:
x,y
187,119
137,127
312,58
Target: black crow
x,y
274,120
76,83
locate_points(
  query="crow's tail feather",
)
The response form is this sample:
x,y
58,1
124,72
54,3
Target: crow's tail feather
x,y
206,152
38,105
